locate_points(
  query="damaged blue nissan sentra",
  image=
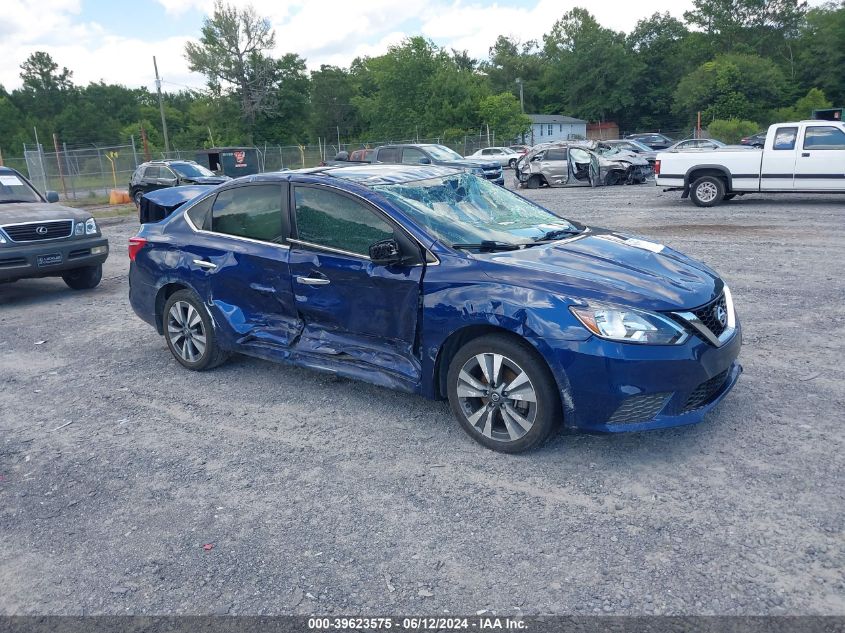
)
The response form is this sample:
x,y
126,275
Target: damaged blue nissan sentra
x,y
434,281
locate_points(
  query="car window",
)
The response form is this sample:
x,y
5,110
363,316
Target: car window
x,y
200,213
556,154
191,170
253,211
486,152
785,137
153,171
411,156
388,155
824,137
14,189
326,218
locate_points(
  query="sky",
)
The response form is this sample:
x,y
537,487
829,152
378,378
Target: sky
x,y
115,40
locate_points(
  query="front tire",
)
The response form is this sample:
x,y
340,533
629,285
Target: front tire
x,y
707,191
189,332
503,394
84,278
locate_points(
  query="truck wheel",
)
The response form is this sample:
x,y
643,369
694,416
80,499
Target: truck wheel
x,y
534,182
707,191
84,278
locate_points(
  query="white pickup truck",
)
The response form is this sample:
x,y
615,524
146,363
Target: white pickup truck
x,y
803,157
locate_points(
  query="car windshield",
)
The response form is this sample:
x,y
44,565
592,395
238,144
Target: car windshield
x,y
440,152
465,209
190,170
14,189
641,146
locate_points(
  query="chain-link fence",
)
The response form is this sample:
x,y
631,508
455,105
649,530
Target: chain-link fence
x,y
92,171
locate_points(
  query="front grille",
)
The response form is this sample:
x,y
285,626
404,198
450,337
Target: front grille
x,y
639,408
492,174
81,252
35,231
704,392
708,315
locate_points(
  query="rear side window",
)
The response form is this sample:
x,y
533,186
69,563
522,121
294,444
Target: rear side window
x,y
824,137
200,213
326,218
388,155
153,171
785,138
556,154
253,211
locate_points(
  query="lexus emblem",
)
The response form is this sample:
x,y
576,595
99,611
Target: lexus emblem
x,y
41,230
721,315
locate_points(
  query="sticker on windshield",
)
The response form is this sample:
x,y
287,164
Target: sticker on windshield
x,y
10,181
632,241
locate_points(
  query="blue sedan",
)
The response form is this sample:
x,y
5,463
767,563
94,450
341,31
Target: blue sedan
x,y
434,281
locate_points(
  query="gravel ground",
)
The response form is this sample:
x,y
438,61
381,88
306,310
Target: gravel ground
x,y
130,485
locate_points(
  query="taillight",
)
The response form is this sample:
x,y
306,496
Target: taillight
x,y
657,168
135,245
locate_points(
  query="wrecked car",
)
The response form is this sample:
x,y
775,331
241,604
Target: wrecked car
x,y
579,164
438,282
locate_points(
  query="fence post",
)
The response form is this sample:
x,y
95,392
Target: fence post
x,y
102,171
134,152
69,171
59,164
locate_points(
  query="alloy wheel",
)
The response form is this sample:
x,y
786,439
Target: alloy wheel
x,y
497,397
186,331
707,192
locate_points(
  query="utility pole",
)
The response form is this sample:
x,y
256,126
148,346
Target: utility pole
x,y
161,108
521,96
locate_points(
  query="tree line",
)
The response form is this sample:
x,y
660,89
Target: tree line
x,y
741,63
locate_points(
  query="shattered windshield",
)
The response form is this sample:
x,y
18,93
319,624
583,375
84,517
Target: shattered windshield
x,y
440,152
465,209
13,189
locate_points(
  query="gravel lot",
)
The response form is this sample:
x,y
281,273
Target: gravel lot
x,y
324,495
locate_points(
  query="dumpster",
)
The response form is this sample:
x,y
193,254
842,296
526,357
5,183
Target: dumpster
x,y
230,161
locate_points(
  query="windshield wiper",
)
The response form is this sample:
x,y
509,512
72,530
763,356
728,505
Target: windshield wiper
x,y
489,246
548,236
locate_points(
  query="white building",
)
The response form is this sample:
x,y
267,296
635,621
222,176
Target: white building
x,y
555,127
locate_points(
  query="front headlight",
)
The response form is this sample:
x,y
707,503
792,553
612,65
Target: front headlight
x,y
2,239
629,326
79,229
90,226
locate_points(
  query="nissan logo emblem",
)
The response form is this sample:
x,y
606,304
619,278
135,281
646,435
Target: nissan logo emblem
x,y
721,315
41,230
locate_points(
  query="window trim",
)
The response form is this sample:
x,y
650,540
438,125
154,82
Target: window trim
x,y
429,258
820,149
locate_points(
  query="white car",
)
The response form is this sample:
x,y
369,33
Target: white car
x,y
801,157
505,156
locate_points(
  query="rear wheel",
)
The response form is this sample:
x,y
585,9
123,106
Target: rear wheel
x,y
137,198
707,191
189,332
84,278
534,182
503,394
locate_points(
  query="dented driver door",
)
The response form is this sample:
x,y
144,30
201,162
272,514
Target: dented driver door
x,y
354,313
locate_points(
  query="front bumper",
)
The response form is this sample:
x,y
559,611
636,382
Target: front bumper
x,y
617,387
20,261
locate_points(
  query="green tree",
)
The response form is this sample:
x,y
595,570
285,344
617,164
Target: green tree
x,y
332,91
513,63
731,130
588,71
232,52
503,114
731,86
46,89
803,108
821,51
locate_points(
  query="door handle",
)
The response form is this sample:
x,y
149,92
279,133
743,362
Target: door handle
x,y
270,290
204,264
313,281
805,155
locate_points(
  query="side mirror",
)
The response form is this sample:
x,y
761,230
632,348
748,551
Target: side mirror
x,y
425,161
52,196
385,252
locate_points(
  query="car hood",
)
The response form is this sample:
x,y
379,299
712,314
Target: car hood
x,y
206,180
612,267
18,212
624,156
469,162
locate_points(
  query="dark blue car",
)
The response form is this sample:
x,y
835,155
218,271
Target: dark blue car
x,y
438,282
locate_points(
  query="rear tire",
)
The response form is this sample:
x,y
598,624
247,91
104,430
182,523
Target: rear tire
x,y
189,332
137,199
707,191
480,376
84,278
534,182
